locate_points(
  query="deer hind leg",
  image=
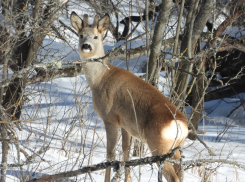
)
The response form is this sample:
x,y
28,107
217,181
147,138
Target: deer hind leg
x,y
176,166
159,148
126,142
112,136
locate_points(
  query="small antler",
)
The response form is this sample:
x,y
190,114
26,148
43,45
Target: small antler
x,y
85,20
95,23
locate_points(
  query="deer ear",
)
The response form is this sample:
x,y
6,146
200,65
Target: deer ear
x,y
76,21
103,23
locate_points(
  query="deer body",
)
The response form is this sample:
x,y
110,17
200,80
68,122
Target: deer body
x,y
118,95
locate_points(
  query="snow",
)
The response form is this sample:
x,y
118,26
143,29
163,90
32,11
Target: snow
x,y
64,121
68,100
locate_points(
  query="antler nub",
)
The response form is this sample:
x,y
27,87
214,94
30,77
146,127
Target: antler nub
x,y
95,23
85,20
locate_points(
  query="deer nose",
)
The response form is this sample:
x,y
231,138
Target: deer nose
x,y
86,47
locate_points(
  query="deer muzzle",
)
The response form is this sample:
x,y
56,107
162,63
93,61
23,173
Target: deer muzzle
x,y
86,48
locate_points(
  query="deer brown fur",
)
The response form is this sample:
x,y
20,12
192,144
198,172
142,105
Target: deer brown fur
x,y
114,91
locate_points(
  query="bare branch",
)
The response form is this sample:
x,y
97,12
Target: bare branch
x,y
105,165
18,164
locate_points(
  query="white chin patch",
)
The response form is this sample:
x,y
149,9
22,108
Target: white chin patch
x,y
86,50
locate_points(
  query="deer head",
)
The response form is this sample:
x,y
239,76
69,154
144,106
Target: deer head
x,y
90,36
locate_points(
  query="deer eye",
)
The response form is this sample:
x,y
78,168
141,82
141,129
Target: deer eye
x,y
81,36
96,37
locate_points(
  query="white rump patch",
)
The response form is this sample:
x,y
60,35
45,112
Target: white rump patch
x,y
177,130
86,50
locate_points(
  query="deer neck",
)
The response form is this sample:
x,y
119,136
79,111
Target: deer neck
x,y
94,71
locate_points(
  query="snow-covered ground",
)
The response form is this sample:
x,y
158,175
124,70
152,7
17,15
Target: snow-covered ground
x,y
75,136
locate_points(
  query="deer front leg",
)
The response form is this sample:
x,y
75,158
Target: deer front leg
x,y
112,136
126,143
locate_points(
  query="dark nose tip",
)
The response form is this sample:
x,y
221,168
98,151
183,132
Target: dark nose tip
x,y
86,46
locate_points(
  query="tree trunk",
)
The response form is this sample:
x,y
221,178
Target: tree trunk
x,y
4,135
198,99
25,51
199,87
182,79
162,19
194,27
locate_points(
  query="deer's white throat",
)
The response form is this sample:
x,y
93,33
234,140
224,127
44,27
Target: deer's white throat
x,y
93,72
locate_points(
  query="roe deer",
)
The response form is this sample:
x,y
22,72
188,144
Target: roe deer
x,y
159,123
